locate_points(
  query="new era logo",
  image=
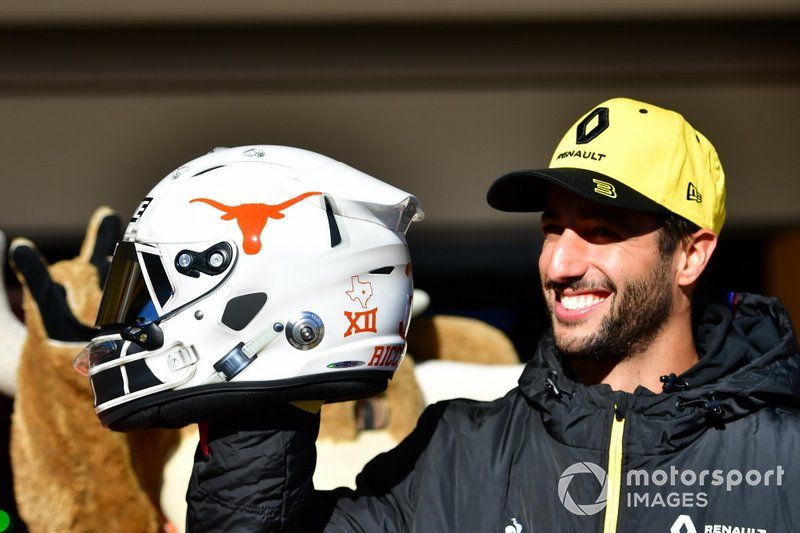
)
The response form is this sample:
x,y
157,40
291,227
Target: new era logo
x,y
692,194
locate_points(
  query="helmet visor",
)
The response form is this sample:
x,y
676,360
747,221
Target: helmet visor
x,y
97,353
137,286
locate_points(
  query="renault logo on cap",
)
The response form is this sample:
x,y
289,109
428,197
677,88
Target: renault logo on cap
x,y
583,136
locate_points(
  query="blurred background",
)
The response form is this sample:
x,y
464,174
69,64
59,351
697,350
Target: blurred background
x,y
98,101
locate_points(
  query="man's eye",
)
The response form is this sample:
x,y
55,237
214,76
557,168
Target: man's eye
x,y
552,229
604,233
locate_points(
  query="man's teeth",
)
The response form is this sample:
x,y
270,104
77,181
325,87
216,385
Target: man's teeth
x,y
579,302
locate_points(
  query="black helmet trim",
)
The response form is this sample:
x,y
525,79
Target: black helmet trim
x,y
223,400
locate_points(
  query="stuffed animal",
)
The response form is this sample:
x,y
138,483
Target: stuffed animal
x,y
440,337
480,362
461,357
70,473
458,338
396,411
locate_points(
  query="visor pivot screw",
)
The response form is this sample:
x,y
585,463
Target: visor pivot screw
x,y
216,259
305,331
143,337
198,315
277,326
184,260
307,334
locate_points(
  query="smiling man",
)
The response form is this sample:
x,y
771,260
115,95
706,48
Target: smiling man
x,y
639,411
608,275
627,234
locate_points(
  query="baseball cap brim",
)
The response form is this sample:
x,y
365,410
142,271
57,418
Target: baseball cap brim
x,y
525,191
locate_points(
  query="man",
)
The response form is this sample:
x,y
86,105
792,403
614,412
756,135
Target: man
x,y
632,416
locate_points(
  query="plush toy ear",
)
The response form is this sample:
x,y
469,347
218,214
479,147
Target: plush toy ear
x,y
102,234
50,297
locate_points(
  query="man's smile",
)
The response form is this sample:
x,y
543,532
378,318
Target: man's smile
x,y
574,306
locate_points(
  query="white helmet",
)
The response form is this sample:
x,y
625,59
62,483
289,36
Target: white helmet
x,y
252,274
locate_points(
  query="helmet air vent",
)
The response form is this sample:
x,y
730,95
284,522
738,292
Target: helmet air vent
x,y
158,278
207,170
336,236
241,310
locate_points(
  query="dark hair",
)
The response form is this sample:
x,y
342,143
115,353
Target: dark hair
x,y
674,229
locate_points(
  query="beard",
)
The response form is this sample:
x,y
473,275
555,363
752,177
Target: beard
x,y
636,316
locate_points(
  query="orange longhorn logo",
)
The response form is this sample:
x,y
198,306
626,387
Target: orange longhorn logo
x,y
253,217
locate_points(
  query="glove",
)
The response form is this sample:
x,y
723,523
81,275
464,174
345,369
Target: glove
x,y
253,472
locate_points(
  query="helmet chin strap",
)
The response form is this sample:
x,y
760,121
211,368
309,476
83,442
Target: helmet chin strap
x,y
242,355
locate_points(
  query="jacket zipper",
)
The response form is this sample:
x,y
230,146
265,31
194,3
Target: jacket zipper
x,y
614,474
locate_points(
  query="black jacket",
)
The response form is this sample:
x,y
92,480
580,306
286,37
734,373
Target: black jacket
x,y
716,451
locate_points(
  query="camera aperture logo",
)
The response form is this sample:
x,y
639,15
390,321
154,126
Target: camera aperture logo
x,y
586,509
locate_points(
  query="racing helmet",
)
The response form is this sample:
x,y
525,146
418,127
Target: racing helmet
x,y
247,276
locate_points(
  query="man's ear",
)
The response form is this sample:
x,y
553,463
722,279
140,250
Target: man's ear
x,y
697,251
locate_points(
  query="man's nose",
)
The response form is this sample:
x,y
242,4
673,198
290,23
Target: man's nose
x,y
568,258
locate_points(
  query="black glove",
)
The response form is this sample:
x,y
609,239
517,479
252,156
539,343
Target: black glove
x,y
253,472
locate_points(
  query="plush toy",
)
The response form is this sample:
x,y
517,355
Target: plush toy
x,y
395,411
460,357
440,337
458,338
70,473
480,362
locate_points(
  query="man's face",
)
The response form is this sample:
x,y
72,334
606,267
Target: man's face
x,y
607,287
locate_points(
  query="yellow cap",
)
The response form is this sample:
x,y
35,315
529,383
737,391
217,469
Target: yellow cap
x,y
630,154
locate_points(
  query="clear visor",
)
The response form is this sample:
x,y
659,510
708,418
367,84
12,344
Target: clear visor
x,y
96,353
137,287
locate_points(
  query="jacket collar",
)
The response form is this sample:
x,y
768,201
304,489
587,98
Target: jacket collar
x,y
748,360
